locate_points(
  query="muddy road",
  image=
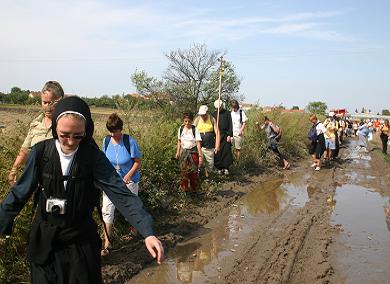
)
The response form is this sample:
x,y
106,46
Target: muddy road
x,y
299,227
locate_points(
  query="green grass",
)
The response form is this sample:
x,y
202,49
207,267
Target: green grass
x,y
157,135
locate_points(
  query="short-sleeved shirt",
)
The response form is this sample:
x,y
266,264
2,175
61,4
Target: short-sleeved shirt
x,y
37,132
117,154
187,139
320,128
236,120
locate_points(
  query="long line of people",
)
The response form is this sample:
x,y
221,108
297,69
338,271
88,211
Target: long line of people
x,y
209,138
326,136
67,173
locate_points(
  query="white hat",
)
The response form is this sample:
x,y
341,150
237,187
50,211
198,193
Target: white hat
x,y
331,114
219,103
203,110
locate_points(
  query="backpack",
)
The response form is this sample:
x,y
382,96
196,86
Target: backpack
x,y
45,150
126,142
182,128
276,132
312,135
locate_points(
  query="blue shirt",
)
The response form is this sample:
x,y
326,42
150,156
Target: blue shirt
x,y
117,154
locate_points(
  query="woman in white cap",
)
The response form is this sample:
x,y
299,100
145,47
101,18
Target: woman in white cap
x,y
206,125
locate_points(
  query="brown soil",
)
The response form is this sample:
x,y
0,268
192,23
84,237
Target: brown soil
x,y
288,246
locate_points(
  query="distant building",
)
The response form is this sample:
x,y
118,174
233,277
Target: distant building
x,y
340,111
247,106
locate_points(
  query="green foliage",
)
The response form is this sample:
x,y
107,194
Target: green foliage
x,y
385,112
191,79
295,107
317,108
230,85
156,133
13,266
16,96
293,142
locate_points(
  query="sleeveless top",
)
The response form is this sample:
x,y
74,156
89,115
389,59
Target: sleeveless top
x,y
205,126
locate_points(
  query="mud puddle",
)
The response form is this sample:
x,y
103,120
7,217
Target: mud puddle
x,y
364,217
198,260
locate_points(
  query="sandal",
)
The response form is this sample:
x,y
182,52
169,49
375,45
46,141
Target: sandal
x,y
287,166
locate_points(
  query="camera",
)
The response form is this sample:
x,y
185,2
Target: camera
x,y
55,206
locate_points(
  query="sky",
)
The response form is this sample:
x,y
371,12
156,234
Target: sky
x,y
288,52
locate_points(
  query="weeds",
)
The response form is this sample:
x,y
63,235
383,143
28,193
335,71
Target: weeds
x,y
156,134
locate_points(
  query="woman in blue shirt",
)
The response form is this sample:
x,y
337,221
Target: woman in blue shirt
x,y
124,154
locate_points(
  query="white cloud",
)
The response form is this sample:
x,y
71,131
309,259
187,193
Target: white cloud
x,y
54,29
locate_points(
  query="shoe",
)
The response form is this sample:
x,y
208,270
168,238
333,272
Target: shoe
x,y
220,172
313,165
317,168
226,172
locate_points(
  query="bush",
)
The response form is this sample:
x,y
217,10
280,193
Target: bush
x,y
156,133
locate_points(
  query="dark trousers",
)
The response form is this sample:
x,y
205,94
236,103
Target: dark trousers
x,y
384,139
335,152
76,263
275,149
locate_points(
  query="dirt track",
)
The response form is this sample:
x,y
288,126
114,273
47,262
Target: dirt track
x,y
284,230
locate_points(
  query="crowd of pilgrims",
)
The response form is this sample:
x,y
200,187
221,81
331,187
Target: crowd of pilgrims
x,y
66,171
327,136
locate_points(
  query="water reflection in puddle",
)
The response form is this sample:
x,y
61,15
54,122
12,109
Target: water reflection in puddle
x,y
197,260
362,215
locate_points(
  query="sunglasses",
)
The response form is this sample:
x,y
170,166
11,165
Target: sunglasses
x,y
75,136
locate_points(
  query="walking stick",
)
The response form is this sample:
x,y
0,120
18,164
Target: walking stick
x,y
218,134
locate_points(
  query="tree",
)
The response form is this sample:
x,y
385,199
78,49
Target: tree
x,y
149,87
192,77
188,72
317,107
385,112
295,107
230,85
363,110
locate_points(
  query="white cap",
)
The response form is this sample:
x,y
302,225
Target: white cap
x,y
219,103
331,114
203,110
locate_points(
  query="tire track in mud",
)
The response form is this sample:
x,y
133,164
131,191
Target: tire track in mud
x,y
293,246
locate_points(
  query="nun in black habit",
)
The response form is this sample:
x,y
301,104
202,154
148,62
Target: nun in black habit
x,y
223,159
67,174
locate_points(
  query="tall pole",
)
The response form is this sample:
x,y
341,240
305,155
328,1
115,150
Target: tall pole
x,y
221,72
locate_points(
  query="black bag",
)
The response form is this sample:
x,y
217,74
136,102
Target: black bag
x,y
312,135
